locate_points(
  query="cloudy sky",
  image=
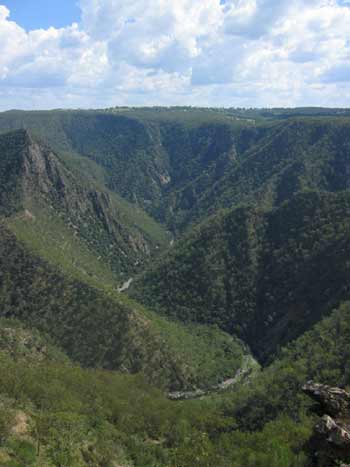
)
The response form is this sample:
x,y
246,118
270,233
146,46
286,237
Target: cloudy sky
x,y
103,53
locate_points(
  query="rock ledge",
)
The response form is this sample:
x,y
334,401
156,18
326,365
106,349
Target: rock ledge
x,y
330,442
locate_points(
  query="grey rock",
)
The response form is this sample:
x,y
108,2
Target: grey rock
x,y
330,442
333,401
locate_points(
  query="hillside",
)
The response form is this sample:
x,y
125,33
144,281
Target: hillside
x,y
143,155
28,345
321,354
74,417
38,188
264,276
182,164
293,156
145,251
64,247
60,415
99,328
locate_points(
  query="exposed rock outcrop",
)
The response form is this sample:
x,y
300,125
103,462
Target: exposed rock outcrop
x,y
333,401
330,443
37,184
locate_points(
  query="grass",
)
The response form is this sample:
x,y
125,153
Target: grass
x,y
47,236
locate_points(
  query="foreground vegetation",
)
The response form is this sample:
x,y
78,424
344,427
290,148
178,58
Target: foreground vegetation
x,y
55,413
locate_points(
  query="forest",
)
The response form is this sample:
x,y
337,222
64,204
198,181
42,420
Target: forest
x,y
170,278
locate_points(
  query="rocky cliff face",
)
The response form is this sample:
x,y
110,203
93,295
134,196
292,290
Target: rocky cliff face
x,y
330,444
41,182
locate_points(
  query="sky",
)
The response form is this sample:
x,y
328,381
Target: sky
x,y
36,14
222,53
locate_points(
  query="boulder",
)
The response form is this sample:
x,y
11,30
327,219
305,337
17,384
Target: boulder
x,y
330,442
333,401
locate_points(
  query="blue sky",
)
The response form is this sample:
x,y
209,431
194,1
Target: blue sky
x,y
35,14
243,53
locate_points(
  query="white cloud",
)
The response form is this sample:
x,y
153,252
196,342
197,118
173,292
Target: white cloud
x,y
200,52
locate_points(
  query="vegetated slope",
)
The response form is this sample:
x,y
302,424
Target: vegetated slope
x,y
265,276
54,413
25,344
272,405
296,155
64,247
284,113
321,354
146,156
183,164
98,328
70,416
36,186
92,328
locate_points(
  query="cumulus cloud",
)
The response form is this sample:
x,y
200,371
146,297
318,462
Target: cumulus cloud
x,y
254,18
200,52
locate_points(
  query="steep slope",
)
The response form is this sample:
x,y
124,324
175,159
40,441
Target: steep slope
x,y
146,155
98,328
293,156
27,345
182,164
38,187
81,417
320,354
64,248
270,271
266,277
272,405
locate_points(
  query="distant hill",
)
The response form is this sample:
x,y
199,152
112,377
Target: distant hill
x,y
182,164
293,156
145,156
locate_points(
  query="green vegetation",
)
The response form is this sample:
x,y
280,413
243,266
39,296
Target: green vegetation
x,y
258,275
72,246
182,164
209,354
99,328
28,345
234,225
47,235
144,156
10,166
59,204
321,354
74,418
290,157
58,414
